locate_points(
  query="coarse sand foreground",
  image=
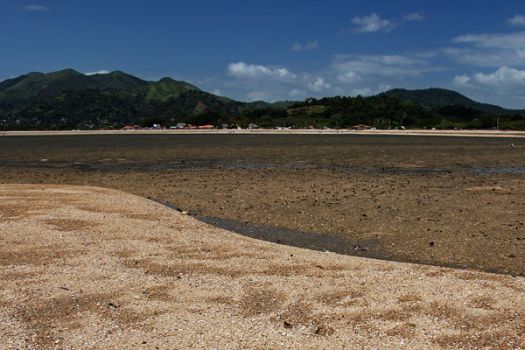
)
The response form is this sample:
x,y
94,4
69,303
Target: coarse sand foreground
x,y
85,267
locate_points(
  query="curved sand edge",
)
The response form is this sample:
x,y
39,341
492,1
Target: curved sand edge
x,y
85,267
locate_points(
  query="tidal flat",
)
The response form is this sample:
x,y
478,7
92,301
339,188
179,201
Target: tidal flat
x,y
447,201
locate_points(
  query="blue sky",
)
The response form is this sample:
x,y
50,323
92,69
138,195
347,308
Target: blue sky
x,y
277,50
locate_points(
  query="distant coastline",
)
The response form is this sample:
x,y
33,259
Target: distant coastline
x,y
412,132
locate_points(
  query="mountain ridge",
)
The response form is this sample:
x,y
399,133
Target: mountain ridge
x,y
439,97
70,99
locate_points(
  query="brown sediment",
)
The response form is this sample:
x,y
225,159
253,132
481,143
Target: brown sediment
x,y
455,202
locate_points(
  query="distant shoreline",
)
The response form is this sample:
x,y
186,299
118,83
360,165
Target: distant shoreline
x,y
451,133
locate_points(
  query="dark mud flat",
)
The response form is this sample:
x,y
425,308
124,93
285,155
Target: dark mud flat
x,y
309,240
435,200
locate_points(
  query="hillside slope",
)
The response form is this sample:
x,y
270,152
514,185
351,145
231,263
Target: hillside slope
x,y
51,84
68,99
436,98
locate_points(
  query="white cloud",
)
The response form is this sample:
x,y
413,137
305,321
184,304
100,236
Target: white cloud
x,y
378,65
503,79
345,75
103,71
517,21
308,46
461,79
348,77
414,17
244,70
319,85
502,76
366,74
34,8
372,23
488,49
514,40
483,57
504,86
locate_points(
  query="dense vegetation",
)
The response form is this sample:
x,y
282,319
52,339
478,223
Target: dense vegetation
x,y
71,100
385,111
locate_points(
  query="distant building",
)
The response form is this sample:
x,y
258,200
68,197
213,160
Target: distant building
x,y
206,127
132,127
253,126
361,127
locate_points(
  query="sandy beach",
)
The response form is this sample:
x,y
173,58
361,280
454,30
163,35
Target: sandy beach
x,y
87,267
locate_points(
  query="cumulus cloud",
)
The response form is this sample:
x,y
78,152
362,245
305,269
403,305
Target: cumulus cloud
x,y
499,78
517,21
348,77
502,76
372,23
34,8
344,75
461,79
245,70
503,86
414,17
103,71
319,85
308,46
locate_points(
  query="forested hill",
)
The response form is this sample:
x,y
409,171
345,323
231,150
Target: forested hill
x,y
437,98
34,85
68,99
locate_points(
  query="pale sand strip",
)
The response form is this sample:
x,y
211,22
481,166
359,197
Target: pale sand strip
x,y
85,267
451,133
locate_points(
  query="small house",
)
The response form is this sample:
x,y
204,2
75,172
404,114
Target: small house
x,y
361,127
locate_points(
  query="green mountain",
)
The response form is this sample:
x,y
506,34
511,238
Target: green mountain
x,y
68,99
39,84
438,98
167,88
